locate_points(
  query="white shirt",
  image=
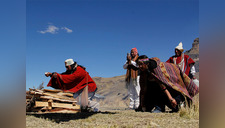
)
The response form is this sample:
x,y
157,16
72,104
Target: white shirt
x,y
132,62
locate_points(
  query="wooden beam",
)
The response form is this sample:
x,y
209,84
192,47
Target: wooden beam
x,y
58,99
60,105
54,91
65,94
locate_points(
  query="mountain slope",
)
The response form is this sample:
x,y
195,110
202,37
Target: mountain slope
x,y
114,90
194,54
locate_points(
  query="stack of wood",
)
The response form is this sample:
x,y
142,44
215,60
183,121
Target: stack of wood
x,y
50,101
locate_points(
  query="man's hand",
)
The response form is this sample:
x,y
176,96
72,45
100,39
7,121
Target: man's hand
x,y
128,58
47,74
173,102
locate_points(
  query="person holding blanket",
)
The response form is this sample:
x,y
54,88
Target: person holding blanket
x,y
74,80
132,78
163,84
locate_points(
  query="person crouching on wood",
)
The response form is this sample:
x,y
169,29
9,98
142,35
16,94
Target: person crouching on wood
x,y
132,78
163,84
74,80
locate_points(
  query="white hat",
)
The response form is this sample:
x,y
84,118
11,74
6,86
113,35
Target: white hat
x,y
180,47
69,62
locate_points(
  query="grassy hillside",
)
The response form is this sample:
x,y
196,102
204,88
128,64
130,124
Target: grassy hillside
x,y
114,90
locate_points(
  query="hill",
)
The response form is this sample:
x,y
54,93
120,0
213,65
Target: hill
x,y
114,92
194,54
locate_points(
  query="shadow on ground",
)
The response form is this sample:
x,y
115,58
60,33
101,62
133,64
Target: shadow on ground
x,y
64,117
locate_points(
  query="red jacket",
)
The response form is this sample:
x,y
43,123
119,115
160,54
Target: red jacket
x,y
73,82
187,62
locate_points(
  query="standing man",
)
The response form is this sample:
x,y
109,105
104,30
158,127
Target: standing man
x,y
74,80
132,78
185,63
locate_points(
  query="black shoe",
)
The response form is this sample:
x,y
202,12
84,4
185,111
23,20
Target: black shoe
x,y
138,109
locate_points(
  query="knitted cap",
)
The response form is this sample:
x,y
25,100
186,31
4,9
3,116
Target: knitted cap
x,y
180,47
69,62
135,50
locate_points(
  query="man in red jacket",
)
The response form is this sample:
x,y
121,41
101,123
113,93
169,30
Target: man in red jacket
x,y
74,80
185,63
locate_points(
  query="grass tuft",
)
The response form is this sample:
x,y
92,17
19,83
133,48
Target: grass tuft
x,y
191,112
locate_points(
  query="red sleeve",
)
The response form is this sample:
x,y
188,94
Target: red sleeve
x,y
170,60
78,75
190,60
55,83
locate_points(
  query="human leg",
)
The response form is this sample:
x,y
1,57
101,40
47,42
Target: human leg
x,y
91,104
137,93
131,93
158,98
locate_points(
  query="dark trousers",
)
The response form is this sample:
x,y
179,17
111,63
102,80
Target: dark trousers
x,y
155,96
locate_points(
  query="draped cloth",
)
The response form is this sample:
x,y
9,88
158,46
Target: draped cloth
x,y
171,76
132,71
183,61
73,82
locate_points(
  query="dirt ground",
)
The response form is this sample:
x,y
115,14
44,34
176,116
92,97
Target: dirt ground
x,y
112,119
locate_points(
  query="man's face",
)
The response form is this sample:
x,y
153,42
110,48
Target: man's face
x,y
142,66
68,67
177,52
132,53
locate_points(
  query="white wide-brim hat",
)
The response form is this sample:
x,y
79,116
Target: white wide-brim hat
x,y
69,62
180,47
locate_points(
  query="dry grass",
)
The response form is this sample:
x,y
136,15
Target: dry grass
x,y
116,119
191,112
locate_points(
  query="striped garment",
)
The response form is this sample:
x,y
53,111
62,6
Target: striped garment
x,y
171,76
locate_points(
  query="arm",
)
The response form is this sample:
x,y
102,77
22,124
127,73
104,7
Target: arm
x,y
131,62
47,74
125,65
127,62
192,71
169,60
171,99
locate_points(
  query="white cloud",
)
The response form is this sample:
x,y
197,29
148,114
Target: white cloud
x,y
53,29
67,29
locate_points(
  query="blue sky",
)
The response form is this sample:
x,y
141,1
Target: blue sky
x,y
98,34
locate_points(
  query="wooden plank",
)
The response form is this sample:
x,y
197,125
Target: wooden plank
x,y
47,112
60,105
65,94
57,96
54,91
29,96
58,99
50,104
64,111
52,94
